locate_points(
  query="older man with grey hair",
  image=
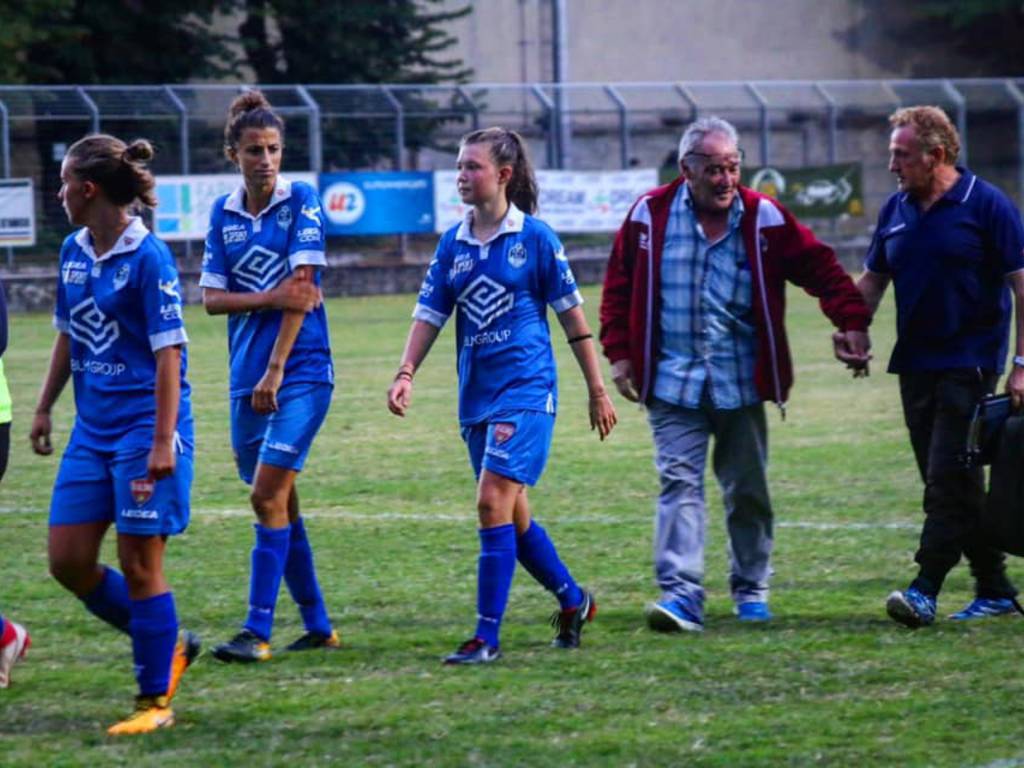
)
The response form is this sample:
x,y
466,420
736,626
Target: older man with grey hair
x,y
692,322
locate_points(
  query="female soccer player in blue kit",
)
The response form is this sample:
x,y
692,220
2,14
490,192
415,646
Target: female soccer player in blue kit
x,y
263,251
121,339
500,268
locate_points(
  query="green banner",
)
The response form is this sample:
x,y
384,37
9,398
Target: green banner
x,y
824,191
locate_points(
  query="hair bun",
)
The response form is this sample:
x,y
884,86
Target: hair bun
x,y
139,150
248,101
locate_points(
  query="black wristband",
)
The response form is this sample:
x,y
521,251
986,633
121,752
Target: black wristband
x,y
581,337
403,374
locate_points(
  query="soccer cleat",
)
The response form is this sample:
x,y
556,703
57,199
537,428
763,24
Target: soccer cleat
x,y
676,615
313,640
753,611
151,713
13,650
911,608
983,607
474,651
185,652
570,622
245,647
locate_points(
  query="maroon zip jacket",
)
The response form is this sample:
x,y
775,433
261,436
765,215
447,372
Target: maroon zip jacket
x,y
779,249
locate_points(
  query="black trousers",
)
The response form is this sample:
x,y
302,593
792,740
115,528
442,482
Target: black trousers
x,y
937,407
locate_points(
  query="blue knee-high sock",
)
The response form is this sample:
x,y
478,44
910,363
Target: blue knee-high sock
x,y
109,600
495,568
154,630
537,554
300,576
268,559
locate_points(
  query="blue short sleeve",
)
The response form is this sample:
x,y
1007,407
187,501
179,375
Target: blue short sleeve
x,y
436,300
215,266
876,260
160,293
557,280
61,316
307,244
1007,235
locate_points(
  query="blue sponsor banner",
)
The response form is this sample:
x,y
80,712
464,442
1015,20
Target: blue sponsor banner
x,y
381,203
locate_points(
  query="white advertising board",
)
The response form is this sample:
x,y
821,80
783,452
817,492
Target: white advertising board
x,y
17,213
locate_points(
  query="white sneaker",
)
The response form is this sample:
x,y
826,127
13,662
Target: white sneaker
x,y
12,651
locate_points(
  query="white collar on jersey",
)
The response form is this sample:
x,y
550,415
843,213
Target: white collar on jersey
x,y
129,240
236,200
513,222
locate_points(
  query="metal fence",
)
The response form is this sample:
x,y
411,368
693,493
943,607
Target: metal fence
x,y
580,126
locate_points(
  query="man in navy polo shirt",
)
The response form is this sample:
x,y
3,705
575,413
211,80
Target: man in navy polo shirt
x,y
953,246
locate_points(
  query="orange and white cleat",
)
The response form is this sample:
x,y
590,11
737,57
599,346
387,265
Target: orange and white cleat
x,y
185,652
151,713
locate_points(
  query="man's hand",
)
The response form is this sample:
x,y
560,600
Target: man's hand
x,y
854,349
622,376
264,394
296,294
40,434
160,463
400,395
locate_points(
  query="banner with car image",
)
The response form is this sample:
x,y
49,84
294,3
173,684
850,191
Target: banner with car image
x,y
824,191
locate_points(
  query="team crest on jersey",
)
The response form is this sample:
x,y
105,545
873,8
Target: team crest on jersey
x,y
503,432
90,326
142,490
121,277
284,217
259,269
483,300
517,255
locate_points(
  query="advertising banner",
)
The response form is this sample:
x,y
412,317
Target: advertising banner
x,y
825,191
570,201
17,213
184,202
378,203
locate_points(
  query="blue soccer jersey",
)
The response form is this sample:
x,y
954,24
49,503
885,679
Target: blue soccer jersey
x,y
501,289
246,253
118,310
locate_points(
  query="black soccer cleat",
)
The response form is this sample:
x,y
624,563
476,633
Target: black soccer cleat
x,y
474,651
245,647
312,641
570,622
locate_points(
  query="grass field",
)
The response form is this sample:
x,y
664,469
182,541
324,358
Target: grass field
x,y
390,506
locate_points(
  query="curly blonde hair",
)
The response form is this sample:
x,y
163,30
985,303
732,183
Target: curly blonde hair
x,y
932,127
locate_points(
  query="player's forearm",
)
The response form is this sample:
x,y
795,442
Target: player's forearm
x,y
291,324
167,393
57,374
577,332
421,338
219,302
872,287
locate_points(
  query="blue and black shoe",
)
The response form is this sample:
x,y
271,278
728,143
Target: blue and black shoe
x,y
911,607
983,607
753,611
678,614
474,651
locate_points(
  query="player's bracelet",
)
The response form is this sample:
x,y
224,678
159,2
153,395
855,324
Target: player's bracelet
x,y
581,337
403,374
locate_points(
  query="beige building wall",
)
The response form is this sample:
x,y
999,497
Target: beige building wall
x,y
659,40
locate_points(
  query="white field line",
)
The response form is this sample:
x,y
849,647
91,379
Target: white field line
x,y
432,517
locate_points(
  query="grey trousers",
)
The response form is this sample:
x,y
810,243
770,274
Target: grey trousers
x,y
739,460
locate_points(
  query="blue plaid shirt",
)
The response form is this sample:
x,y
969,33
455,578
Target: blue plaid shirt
x,y
707,331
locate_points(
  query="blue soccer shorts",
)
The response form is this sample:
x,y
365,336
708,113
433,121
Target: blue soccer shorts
x,y
95,486
514,445
282,438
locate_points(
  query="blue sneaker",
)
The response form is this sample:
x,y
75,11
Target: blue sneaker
x,y
678,614
982,607
911,608
753,611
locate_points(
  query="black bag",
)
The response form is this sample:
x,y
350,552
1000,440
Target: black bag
x,y
996,437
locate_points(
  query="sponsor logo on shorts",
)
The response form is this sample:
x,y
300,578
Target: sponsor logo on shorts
x,y
484,300
121,277
91,327
97,367
141,514
233,233
259,269
487,337
284,217
517,255
503,431
142,490
492,451
274,445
